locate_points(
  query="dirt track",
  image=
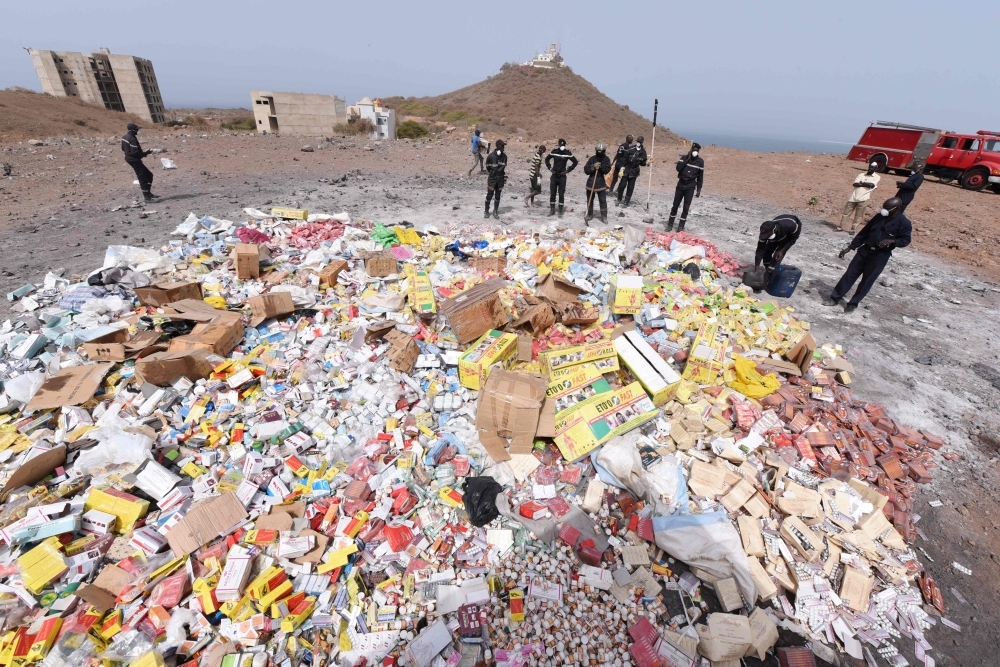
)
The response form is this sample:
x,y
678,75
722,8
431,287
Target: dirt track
x,y
926,310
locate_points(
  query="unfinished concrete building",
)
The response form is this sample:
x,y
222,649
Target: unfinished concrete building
x,y
119,82
297,113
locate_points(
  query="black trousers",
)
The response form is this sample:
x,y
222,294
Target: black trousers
x,y
144,175
614,178
868,264
626,186
686,195
907,198
557,183
602,197
492,193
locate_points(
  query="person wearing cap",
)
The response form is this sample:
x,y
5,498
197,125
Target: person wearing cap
x,y
690,177
560,162
874,244
133,158
635,158
496,167
535,177
619,163
597,167
477,156
776,237
908,188
864,184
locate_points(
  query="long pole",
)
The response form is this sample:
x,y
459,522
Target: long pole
x,y
652,148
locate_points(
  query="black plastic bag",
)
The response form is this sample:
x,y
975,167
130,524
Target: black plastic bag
x,y
480,496
175,328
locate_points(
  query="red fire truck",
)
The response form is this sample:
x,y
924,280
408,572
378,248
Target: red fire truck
x,y
972,159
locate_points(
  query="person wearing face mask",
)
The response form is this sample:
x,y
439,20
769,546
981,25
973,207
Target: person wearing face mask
x,y
874,244
596,168
133,158
776,237
496,167
864,185
908,188
690,176
619,162
635,158
557,162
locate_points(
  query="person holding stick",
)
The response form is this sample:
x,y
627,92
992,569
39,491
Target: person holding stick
x,y
619,162
597,167
634,159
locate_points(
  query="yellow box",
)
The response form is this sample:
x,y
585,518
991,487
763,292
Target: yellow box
x,y
266,581
283,590
298,615
290,213
150,659
41,565
494,348
707,356
649,368
126,507
602,354
627,295
44,638
112,624
419,291
598,419
570,386
516,597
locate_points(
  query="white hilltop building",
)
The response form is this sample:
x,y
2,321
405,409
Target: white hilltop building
x,y
550,59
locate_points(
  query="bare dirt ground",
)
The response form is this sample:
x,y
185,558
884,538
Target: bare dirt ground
x,y
924,343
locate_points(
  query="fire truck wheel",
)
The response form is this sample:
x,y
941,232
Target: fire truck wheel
x,y
975,180
882,160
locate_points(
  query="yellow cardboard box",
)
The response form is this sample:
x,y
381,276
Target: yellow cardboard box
x,y
648,367
707,356
126,507
290,213
494,348
42,565
570,386
598,419
627,295
601,353
419,291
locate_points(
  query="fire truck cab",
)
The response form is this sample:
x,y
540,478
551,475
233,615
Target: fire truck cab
x,y
972,159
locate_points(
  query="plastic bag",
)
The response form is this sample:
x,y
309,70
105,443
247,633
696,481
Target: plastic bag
x,y
23,387
749,382
140,259
168,163
480,498
384,235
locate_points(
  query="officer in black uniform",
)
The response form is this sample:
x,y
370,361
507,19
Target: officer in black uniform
x,y
619,163
496,167
777,236
556,162
690,174
874,243
133,158
597,167
635,158
908,188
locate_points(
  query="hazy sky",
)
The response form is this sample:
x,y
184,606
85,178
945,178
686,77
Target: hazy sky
x,y
797,69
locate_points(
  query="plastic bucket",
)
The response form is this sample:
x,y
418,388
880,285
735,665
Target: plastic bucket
x,y
783,281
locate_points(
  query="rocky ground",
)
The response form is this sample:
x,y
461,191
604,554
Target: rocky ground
x,y
924,343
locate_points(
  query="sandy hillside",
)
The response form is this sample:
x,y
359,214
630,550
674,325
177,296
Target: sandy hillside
x,y
28,115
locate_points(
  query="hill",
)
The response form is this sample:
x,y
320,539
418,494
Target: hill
x,y
25,114
539,104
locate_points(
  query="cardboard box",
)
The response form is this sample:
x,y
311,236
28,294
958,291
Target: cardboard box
x,y
34,469
204,522
509,408
403,351
488,264
602,353
856,588
69,386
726,637
649,368
328,274
156,480
266,306
165,368
246,259
420,292
570,386
579,431
124,506
801,353
764,632
381,263
627,295
476,310
160,294
219,336
557,290
801,537
707,356
98,522
493,349
118,346
577,312
536,319
290,213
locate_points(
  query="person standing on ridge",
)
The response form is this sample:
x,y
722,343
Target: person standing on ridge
x,y
596,168
496,167
690,176
619,162
535,177
133,157
887,230
556,162
864,185
908,188
477,155
634,159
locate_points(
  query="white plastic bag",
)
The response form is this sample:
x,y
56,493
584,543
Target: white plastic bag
x,y
168,163
138,259
24,386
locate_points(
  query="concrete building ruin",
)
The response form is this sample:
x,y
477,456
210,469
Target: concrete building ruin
x,y
297,113
116,81
383,119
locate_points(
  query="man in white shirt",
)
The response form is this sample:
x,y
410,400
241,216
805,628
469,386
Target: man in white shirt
x,y
858,201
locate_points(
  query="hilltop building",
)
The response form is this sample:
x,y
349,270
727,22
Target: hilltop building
x,y
116,81
550,59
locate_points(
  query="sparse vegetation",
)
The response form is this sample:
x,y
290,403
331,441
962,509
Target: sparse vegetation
x,y
80,122
459,117
358,127
411,129
410,106
244,124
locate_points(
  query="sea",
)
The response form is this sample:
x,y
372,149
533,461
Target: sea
x,y
765,144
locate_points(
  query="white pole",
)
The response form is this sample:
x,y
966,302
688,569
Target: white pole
x,y
652,148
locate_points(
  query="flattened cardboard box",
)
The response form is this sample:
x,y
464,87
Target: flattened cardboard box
x,y
204,522
272,304
380,264
489,264
536,319
118,346
557,290
509,408
160,294
69,386
476,310
164,368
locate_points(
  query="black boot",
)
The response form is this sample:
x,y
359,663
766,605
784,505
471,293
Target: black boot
x,y
670,224
618,201
552,209
680,226
486,213
560,210
604,217
496,209
627,202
